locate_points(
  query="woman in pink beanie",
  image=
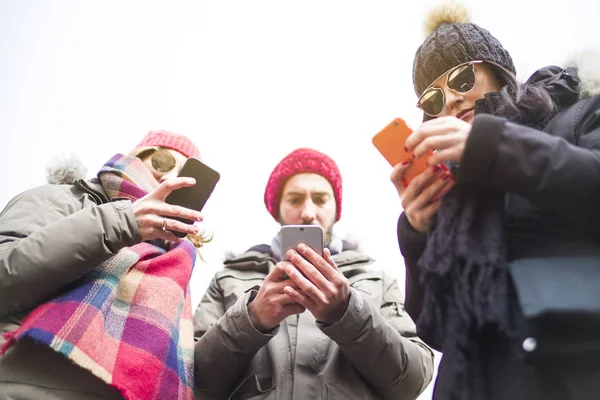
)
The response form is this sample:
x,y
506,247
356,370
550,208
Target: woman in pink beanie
x,y
94,296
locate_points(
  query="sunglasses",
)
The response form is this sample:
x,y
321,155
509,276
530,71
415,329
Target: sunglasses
x,y
460,79
162,160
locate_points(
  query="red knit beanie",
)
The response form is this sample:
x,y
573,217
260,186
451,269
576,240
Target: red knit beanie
x,y
297,162
170,140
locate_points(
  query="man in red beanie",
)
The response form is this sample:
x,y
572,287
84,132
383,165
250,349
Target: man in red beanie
x,y
314,327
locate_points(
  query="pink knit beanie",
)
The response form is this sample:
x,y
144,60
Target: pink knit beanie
x,y
170,140
297,162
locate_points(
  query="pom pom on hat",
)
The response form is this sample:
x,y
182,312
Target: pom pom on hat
x,y
453,40
300,161
170,140
450,12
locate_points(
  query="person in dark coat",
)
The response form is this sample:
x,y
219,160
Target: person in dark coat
x,y
523,182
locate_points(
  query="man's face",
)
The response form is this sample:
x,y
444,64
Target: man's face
x,y
307,199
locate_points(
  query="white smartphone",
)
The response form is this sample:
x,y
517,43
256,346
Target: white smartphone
x,y
291,236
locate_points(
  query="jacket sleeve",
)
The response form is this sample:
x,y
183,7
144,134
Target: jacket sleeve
x,y
382,344
412,245
550,171
48,240
226,342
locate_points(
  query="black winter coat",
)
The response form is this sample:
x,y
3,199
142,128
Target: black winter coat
x,y
552,183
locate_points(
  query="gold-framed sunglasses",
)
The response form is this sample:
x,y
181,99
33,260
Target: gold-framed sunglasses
x,y
460,79
161,159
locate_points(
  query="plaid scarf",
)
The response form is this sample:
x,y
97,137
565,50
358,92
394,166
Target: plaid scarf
x,y
128,321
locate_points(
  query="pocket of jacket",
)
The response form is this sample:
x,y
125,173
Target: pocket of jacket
x,y
252,389
560,303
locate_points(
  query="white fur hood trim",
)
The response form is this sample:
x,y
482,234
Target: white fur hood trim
x,y
587,63
65,170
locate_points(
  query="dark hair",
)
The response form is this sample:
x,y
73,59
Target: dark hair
x,y
528,104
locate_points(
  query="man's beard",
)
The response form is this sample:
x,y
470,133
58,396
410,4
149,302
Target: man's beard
x,y
327,234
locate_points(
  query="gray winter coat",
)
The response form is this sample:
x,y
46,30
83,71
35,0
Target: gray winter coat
x,y
371,353
49,237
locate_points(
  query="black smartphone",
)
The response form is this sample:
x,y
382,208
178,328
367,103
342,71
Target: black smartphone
x,y
194,197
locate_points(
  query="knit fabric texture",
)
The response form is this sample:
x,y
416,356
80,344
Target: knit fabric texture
x,y
452,44
170,140
300,161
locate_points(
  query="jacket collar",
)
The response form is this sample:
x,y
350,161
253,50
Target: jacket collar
x,y
563,85
94,189
261,259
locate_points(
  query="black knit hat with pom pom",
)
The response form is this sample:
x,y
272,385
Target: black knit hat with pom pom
x,y
452,40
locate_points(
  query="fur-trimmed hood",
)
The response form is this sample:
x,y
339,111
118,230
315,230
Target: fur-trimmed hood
x,y
65,170
587,63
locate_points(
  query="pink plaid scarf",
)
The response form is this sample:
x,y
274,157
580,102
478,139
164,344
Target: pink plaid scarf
x,y
128,321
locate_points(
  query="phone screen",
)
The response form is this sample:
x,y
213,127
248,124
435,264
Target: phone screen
x,y
194,197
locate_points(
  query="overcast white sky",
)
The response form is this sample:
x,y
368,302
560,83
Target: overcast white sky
x,y
248,81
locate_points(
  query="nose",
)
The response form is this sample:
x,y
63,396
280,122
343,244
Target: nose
x,y
309,212
453,101
168,175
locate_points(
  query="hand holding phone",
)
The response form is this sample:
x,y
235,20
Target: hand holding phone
x,y
390,143
320,286
194,197
270,307
152,205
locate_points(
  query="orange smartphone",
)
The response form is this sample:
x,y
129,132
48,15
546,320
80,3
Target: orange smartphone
x,y
390,143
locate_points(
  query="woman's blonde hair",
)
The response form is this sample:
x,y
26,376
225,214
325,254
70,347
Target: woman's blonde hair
x,y
200,239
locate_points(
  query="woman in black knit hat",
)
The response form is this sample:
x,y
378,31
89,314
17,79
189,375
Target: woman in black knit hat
x,y
503,273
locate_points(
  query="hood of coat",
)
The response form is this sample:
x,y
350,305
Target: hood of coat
x,y
563,84
578,79
587,63
566,86
260,258
259,252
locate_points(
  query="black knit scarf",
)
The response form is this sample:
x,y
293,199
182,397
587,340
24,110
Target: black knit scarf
x,y
464,275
